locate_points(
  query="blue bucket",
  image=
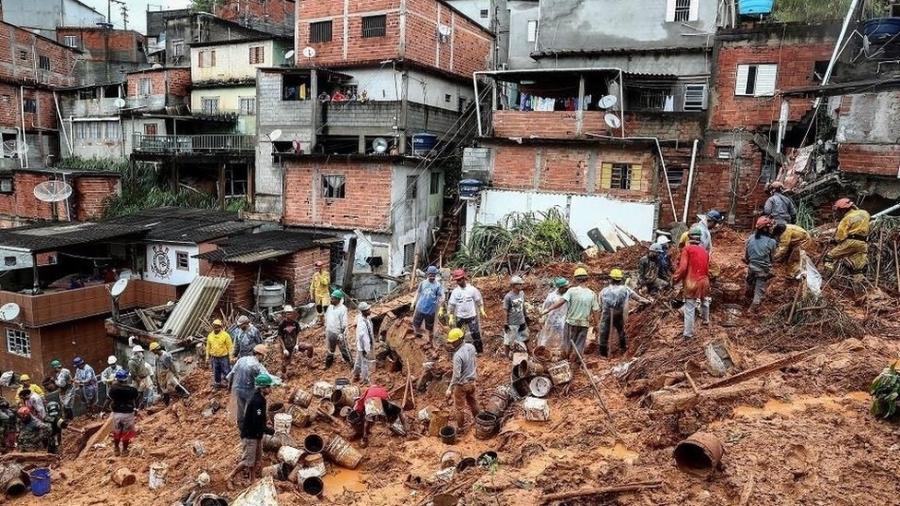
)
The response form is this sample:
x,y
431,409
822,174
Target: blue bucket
x,y
40,481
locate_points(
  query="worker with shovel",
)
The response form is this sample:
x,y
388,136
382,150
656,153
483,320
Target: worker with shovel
x,y
336,329
34,434
614,303
760,248
252,430
166,374
851,237
582,306
289,336
464,305
693,270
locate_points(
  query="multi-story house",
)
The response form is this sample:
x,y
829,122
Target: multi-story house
x,y
106,54
171,33
271,16
45,16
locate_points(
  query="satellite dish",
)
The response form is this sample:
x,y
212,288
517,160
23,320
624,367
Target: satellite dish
x,y
608,102
380,145
612,120
289,55
9,312
119,102
52,191
156,66
118,287
274,135
309,52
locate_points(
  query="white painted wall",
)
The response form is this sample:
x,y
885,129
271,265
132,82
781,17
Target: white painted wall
x,y
412,220
387,85
163,268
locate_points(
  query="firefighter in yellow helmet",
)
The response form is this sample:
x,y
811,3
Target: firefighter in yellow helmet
x,y
850,238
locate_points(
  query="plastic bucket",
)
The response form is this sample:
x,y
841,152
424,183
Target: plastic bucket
x,y
448,434
536,410
540,386
327,407
374,409
322,389
313,486
301,398
485,425
313,443
342,454
340,383
289,455
40,481
345,396
560,372
282,422
158,472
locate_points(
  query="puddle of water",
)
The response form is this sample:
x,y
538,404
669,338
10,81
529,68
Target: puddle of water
x,y
620,452
343,479
775,406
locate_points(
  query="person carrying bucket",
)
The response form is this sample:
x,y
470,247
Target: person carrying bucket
x,y
357,416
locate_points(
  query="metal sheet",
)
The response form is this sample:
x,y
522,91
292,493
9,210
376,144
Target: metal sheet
x,y
249,258
197,304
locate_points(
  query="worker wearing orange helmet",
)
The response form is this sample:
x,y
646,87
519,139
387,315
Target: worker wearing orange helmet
x,y
464,305
34,434
851,237
779,206
758,255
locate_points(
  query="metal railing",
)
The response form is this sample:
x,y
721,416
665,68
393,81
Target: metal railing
x,y
186,144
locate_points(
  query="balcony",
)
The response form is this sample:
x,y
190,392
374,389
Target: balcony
x,y
83,108
193,144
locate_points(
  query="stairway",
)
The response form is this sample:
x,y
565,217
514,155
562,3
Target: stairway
x,y
447,240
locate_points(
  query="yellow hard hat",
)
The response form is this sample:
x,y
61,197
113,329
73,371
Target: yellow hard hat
x,y
217,322
454,335
616,274
581,271
154,346
24,377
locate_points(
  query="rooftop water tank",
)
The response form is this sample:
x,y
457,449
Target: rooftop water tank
x,y
755,7
422,144
270,295
881,30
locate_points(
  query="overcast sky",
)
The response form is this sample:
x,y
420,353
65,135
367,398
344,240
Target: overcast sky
x,y
137,10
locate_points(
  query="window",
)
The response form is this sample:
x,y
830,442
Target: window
x,y
150,129
724,152
70,40
448,97
694,97
181,260
821,67
88,94
209,105
247,105
650,97
435,183
6,185
374,26
756,80
294,87
532,30
769,172
484,13
680,11
675,176
9,261
412,187
30,105
235,183
333,187
177,47
320,31
409,254
18,342
44,62
257,55
207,58
620,176
23,55
144,86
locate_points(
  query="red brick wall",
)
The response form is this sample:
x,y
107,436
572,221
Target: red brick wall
x,y
796,61
367,199
92,193
33,366
298,270
468,50
562,125
101,44
89,195
268,11
11,109
14,40
872,159
86,338
176,80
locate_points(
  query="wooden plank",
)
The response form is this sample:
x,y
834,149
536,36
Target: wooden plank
x,y
763,369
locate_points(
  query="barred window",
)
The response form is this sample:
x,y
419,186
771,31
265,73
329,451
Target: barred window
x,y
320,31
18,342
257,55
70,40
144,88
209,105
333,187
682,10
374,26
248,106
620,176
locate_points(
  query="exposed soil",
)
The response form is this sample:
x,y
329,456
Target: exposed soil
x,y
798,435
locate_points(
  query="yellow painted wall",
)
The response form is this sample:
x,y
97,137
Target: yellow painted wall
x,y
232,61
229,102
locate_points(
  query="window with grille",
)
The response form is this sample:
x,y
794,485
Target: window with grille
x,y
412,187
333,187
23,55
409,254
682,10
694,97
235,183
248,106
113,131
18,342
150,129
6,186
320,31
44,62
70,40
257,55
178,47
675,176
484,13
208,58
181,260
435,183
144,86
374,26
209,105
757,80
649,98
30,105
621,176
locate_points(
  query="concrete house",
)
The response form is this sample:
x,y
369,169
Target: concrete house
x,y
45,16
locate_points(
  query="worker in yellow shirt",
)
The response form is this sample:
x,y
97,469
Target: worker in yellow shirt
x,y
219,352
25,382
320,287
850,238
791,239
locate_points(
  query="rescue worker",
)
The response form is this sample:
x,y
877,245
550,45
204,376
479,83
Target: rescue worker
x,y
166,373
242,377
362,426
614,305
34,434
57,423
693,271
582,306
779,206
462,381
650,274
252,430
791,240
65,383
429,297
85,381
464,305
139,374
320,286
758,253
551,335
9,429
664,259
33,402
516,331
25,382
365,345
245,336
706,223
108,376
336,329
125,403
850,238
219,353
289,337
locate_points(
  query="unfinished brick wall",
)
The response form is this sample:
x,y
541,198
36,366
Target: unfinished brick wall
x,y
100,44
20,52
298,269
92,193
165,81
275,16
871,159
89,196
33,365
564,125
366,204
85,338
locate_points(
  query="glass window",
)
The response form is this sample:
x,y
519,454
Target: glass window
x,y
181,260
70,40
248,106
209,105
44,62
532,30
6,185
145,88
30,105
374,26
257,55
207,58
333,187
18,342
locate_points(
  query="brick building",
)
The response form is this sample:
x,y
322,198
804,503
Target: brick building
x,y
106,54
18,205
271,16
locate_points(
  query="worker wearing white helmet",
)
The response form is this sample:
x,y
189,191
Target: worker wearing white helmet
x,y
516,329
139,374
245,336
108,376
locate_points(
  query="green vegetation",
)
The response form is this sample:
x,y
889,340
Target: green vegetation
x,y
203,5
885,392
818,11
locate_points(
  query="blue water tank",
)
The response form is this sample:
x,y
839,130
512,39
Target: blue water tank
x,y
882,30
755,7
469,188
422,144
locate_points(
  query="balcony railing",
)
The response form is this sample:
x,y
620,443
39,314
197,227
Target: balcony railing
x,y
188,144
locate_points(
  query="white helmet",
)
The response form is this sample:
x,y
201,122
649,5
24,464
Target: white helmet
x,y
288,308
111,360
516,280
364,306
663,240
137,348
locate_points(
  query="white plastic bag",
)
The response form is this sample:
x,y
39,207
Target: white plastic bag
x,y
810,274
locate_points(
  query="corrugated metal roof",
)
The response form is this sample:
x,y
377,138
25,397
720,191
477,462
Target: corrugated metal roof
x,y
172,224
196,305
54,235
249,258
249,248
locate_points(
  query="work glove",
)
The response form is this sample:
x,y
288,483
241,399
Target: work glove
x,y
297,348
452,320
448,392
441,312
483,314
286,353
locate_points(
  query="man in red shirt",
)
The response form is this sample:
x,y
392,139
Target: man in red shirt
x,y
360,422
693,270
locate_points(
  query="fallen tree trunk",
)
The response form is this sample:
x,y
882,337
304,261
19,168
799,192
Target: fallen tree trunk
x,y
673,402
763,369
630,487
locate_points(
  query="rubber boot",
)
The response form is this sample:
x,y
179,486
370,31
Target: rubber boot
x,y
329,361
623,346
478,346
166,399
116,450
604,351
